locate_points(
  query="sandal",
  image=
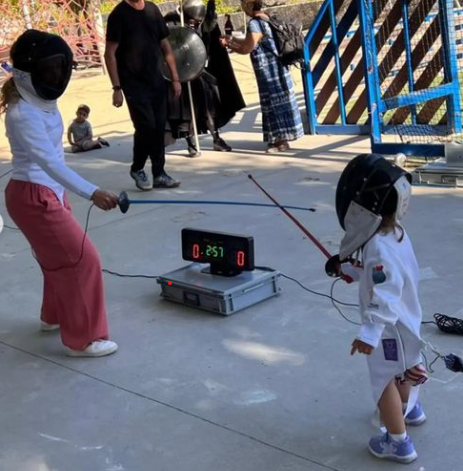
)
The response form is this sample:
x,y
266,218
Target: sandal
x,y
284,146
272,149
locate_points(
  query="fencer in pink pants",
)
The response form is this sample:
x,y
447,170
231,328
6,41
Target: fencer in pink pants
x,y
72,297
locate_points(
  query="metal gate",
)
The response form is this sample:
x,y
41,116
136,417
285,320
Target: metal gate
x,y
388,68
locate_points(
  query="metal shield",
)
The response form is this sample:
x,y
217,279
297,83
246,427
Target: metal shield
x,y
189,52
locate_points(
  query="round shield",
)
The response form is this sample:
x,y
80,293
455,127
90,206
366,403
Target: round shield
x,y
189,52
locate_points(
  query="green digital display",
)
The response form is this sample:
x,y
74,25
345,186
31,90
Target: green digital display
x,y
214,251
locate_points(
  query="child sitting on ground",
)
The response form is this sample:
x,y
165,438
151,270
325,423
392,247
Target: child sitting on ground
x,y
80,134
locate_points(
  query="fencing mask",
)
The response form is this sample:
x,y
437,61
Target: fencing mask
x,y
47,59
369,189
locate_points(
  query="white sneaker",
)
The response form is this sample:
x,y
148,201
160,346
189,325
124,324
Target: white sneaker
x,y
99,348
44,327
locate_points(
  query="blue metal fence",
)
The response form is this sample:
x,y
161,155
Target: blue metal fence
x,y
345,82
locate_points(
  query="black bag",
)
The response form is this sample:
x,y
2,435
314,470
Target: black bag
x,y
288,39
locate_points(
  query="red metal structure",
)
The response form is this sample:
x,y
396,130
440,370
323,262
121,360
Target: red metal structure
x,y
79,22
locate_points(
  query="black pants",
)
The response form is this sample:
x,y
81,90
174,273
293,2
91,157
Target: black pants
x,y
148,114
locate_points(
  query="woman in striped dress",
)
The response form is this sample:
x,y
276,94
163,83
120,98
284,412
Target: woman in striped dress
x,y
281,119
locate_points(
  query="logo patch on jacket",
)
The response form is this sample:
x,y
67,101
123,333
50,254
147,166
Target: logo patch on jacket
x,y
378,274
391,352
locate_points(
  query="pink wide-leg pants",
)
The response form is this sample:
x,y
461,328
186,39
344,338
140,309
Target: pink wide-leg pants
x,y
73,296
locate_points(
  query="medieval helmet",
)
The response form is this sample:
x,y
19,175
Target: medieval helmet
x,y
194,10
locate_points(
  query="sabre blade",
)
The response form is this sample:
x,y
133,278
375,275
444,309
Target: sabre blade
x,y
298,224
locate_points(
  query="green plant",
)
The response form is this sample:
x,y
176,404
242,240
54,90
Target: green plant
x,y
221,6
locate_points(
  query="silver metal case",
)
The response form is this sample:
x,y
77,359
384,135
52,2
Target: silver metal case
x,y
194,286
439,173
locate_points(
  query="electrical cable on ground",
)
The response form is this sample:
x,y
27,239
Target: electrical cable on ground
x,y
329,296
122,275
447,324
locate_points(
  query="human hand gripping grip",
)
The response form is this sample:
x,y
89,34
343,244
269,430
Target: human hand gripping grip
x,y
345,270
104,200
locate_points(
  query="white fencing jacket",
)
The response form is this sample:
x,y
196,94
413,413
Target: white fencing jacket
x,y
389,307
35,137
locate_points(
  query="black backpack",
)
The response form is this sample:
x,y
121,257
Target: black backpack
x,y
288,39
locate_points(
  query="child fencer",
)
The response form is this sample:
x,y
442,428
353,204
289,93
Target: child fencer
x,y
73,295
372,197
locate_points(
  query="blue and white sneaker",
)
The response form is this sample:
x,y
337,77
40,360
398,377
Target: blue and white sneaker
x,y
385,447
416,416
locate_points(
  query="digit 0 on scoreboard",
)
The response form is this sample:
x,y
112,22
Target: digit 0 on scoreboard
x,y
196,254
240,258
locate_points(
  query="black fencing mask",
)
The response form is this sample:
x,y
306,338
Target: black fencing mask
x,y
369,189
48,60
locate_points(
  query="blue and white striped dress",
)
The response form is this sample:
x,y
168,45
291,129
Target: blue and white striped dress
x,y
281,119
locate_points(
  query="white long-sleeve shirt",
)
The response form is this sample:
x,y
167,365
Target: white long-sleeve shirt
x,y
390,309
35,138
388,288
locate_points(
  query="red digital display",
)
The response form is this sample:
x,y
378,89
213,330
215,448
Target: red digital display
x,y
240,258
196,254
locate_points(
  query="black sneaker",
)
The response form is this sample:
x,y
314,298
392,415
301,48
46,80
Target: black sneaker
x,y
164,181
221,146
141,180
103,142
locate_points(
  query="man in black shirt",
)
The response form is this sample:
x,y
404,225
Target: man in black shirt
x,y
136,45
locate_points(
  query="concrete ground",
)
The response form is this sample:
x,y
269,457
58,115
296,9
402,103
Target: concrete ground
x,y
271,388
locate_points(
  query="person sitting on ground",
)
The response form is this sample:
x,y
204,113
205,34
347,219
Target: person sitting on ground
x,y
80,133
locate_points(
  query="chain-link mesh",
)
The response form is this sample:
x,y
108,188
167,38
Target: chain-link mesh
x,y
410,58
